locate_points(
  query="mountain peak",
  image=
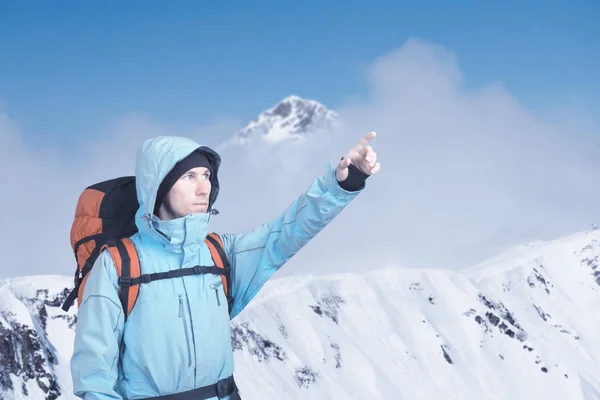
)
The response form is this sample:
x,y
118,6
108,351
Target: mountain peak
x,y
291,119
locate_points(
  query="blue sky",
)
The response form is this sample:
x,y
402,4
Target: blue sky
x,y
67,68
459,153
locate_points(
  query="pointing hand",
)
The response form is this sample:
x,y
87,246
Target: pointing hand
x,y
361,156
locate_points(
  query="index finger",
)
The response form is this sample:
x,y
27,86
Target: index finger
x,y
366,139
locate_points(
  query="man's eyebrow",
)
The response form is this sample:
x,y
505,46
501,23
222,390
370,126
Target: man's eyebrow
x,y
191,171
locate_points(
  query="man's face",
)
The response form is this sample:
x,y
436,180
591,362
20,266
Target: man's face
x,y
190,194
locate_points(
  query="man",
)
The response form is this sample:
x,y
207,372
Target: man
x,y
177,337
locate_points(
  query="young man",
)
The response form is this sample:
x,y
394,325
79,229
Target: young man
x,y
176,343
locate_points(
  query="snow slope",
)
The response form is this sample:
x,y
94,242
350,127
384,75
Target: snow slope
x,y
36,338
522,325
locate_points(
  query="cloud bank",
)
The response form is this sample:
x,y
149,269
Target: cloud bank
x,y
465,173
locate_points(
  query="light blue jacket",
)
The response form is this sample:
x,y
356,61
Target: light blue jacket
x,y
177,336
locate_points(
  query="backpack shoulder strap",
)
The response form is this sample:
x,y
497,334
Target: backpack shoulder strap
x,y
127,264
217,252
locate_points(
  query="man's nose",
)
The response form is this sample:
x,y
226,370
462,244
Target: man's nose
x,y
202,188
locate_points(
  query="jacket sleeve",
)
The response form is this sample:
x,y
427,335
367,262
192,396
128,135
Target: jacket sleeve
x,y
94,363
256,255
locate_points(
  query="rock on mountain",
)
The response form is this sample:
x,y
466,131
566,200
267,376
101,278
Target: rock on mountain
x,y
290,119
521,325
36,338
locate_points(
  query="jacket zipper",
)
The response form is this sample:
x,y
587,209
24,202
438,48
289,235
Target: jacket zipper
x,y
215,287
187,339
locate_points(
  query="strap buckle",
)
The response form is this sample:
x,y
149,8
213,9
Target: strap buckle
x,y
225,387
124,281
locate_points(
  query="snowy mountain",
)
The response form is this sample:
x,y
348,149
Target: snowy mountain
x,y
36,338
290,119
522,325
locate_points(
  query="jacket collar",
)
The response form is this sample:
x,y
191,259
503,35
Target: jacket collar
x,y
179,234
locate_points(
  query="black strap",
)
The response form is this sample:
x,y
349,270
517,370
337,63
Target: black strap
x,y
70,299
84,240
175,273
221,389
220,251
125,273
79,275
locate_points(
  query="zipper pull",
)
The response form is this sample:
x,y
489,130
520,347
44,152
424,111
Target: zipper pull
x,y
217,295
180,307
216,286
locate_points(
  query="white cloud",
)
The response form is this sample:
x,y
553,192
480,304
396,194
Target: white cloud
x,y
40,188
464,172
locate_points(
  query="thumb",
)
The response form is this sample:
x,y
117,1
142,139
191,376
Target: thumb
x,y
345,163
341,172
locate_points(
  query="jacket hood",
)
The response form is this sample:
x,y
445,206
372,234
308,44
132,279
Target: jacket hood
x,y
155,159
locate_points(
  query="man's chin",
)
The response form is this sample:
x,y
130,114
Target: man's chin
x,y
199,210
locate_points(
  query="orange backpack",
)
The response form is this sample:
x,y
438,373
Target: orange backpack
x,y
105,219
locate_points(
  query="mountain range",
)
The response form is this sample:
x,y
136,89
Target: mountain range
x,y
521,325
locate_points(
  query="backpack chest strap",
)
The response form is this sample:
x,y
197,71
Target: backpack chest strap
x,y
176,273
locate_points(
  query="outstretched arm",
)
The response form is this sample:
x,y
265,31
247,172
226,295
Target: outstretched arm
x,y
256,255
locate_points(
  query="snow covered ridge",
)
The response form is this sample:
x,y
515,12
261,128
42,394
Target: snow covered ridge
x,y
290,119
521,325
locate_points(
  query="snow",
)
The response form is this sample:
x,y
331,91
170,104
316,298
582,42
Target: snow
x,y
390,331
519,325
41,336
291,119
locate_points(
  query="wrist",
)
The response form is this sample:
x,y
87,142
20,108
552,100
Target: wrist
x,y
356,179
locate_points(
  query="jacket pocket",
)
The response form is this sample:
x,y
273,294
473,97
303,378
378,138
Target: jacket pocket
x,y
182,316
